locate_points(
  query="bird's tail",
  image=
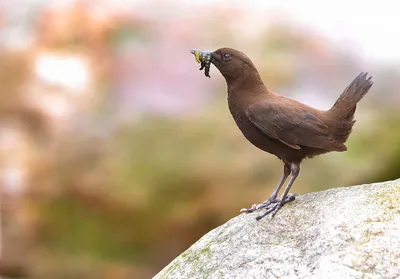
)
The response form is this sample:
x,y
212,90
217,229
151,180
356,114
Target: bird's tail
x,y
345,105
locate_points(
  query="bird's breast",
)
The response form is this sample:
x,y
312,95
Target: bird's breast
x,y
248,129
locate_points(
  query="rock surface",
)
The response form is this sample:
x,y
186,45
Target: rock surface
x,y
351,232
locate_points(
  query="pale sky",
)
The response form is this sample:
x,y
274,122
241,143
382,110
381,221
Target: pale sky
x,y
373,27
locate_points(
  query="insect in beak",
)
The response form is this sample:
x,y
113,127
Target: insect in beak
x,y
204,59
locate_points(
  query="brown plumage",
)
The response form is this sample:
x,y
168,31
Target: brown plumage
x,y
281,126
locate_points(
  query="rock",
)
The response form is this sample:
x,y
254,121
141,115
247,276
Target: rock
x,y
351,232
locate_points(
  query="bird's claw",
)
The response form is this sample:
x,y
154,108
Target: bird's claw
x,y
253,208
247,210
271,205
256,207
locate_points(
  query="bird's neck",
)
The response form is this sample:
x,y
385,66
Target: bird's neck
x,y
246,85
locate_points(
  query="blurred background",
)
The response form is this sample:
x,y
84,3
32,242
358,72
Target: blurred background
x,y
117,153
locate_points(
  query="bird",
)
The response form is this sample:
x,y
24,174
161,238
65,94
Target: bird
x,y
284,127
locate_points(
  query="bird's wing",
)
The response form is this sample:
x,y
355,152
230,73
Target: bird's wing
x,y
290,124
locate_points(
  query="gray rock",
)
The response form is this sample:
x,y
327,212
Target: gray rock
x,y
341,233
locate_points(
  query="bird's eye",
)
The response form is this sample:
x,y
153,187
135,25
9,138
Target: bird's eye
x,y
227,55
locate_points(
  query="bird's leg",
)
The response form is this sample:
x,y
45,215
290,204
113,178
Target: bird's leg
x,y
295,170
272,198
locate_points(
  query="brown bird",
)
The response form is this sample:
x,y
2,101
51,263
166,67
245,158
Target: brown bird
x,y
290,130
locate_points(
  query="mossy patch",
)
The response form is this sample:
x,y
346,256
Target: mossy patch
x,y
191,255
389,200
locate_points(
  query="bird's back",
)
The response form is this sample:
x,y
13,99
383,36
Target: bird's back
x,y
282,126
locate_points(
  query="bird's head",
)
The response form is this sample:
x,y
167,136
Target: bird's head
x,y
230,62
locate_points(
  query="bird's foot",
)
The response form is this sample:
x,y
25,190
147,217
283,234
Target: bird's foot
x,y
271,205
276,207
256,207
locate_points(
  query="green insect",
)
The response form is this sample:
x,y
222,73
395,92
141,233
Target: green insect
x,y
204,59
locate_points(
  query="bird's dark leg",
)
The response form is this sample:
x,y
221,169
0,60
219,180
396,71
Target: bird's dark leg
x,y
295,170
286,173
272,198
